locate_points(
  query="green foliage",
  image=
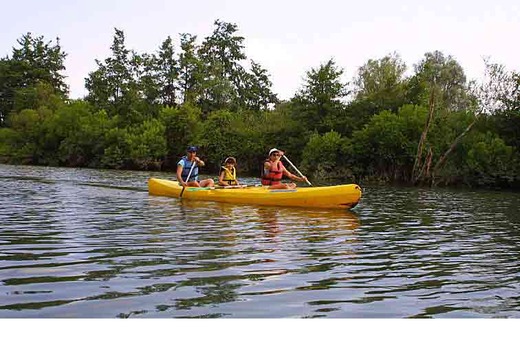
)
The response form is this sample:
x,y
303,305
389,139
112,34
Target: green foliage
x,y
209,75
8,140
142,110
324,157
181,129
33,63
283,129
503,101
110,86
85,146
382,84
445,130
116,85
387,144
256,94
116,150
167,69
221,54
445,78
489,161
147,144
39,95
250,130
320,100
191,72
218,137
28,125
246,136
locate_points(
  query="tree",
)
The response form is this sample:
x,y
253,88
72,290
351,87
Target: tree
x,y
319,100
145,95
382,82
168,73
181,129
444,81
147,144
34,62
41,62
225,49
499,96
489,161
257,94
445,78
110,86
190,70
324,155
221,54
386,146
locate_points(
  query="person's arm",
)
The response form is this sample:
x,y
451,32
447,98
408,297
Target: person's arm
x,y
267,167
200,163
292,176
179,175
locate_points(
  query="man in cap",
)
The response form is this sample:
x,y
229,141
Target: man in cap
x,y
190,164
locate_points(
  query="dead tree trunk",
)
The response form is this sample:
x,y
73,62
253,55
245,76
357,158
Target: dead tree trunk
x,y
418,171
442,160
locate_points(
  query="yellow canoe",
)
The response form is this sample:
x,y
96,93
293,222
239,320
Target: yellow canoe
x,y
333,197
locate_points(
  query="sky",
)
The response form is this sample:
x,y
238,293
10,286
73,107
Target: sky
x,y
287,38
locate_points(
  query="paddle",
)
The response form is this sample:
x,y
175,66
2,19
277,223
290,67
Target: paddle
x,y
296,169
188,178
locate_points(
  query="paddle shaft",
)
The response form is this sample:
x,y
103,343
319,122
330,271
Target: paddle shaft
x,y
188,178
296,169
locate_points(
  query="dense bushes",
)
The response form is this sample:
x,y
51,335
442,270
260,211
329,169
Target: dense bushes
x,y
489,161
387,145
326,156
143,110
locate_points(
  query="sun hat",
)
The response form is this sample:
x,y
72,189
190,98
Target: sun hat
x,y
274,150
230,159
192,149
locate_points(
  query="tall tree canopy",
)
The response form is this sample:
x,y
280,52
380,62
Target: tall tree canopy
x,y
445,78
321,96
33,62
142,109
167,71
382,82
110,85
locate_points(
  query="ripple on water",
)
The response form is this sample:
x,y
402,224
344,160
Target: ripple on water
x,y
91,243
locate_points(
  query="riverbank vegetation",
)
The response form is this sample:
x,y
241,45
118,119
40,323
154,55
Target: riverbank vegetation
x,y
428,126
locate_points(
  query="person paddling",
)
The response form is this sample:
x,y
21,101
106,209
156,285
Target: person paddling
x,y
274,170
184,167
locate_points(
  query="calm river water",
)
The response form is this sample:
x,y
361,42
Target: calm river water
x,y
93,243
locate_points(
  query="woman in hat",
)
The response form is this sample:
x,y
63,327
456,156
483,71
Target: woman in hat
x,y
274,171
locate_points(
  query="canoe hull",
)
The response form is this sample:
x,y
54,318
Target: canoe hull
x,y
331,197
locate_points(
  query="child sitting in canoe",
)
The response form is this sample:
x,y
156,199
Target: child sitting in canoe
x,y
228,173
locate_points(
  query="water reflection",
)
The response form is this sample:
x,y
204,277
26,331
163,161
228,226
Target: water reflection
x,y
241,251
89,243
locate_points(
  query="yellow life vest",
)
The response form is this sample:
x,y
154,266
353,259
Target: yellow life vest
x,y
230,176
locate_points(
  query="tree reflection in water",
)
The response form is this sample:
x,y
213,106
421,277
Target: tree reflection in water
x,y
224,253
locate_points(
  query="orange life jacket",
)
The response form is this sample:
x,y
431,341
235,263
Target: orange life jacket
x,y
275,173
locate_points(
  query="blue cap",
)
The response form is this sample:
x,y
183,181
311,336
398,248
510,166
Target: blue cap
x,y
192,149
